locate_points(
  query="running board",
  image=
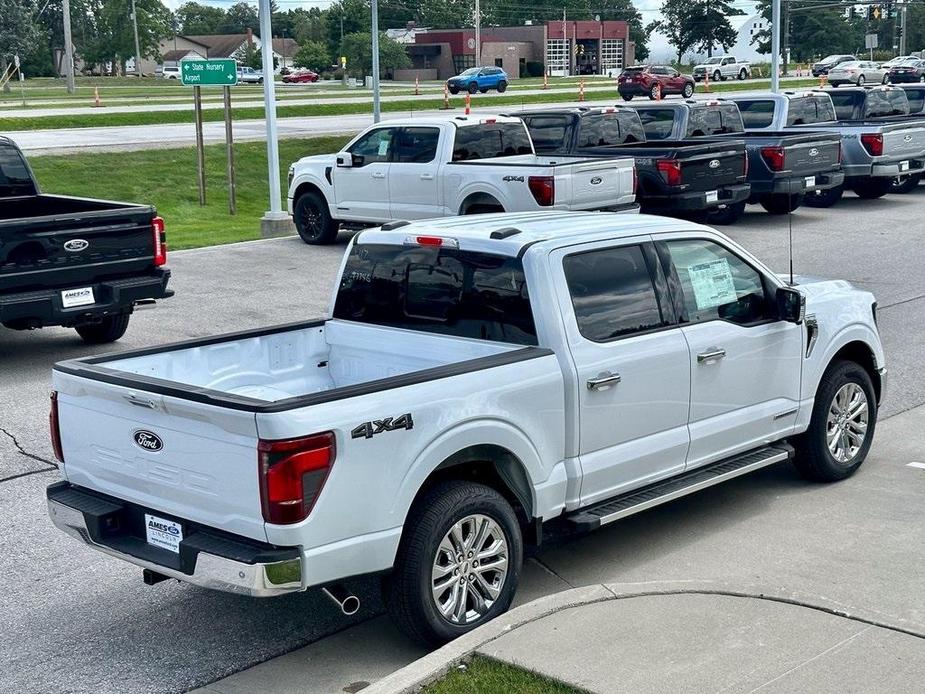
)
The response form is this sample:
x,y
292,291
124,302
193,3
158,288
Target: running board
x,y
618,507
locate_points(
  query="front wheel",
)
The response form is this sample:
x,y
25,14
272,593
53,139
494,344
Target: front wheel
x,y
743,74
781,203
110,329
841,429
454,90
688,90
502,87
458,563
627,97
655,92
861,80
313,219
905,184
824,198
473,87
717,76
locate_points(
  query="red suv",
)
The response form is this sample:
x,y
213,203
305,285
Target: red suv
x,y
653,81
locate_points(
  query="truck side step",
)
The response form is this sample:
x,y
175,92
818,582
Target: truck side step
x,y
618,507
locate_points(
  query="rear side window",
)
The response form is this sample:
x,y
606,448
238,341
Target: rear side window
x,y
437,290
549,133
811,109
916,99
489,140
892,102
608,129
15,178
844,104
416,145
612,293
657,122
714,120
756,114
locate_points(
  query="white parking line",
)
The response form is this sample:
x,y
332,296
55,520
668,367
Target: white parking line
x,y
920,466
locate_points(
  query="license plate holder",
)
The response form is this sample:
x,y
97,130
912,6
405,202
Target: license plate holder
x,y
810,181
904,165
712,196
80,296
163,533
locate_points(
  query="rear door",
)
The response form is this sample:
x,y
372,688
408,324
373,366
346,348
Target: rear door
x,y
413,189
631,361
362,191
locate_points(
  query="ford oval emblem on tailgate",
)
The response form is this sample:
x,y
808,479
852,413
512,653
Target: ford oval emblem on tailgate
x,y
907,138
75,245
595,180
148,440
813,152
714,163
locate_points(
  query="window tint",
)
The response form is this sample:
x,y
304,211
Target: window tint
x,y
844,104
657,122
811,109
14,174
612,293
375,146
714,120
886,102
417,145
549,132
438,290
716,283
756,114
916,99
491,140
608,129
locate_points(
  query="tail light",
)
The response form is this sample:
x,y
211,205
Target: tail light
x,y
838,152
745,164
543,189
635,180
873,143
160,241
292,474
774,157
55,427
670,169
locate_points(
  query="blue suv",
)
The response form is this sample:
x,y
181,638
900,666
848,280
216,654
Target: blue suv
x,y
478,79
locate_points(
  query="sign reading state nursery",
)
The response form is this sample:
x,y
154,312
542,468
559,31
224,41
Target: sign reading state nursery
x,y
201,73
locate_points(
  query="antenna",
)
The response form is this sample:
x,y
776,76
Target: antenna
x,y
790,226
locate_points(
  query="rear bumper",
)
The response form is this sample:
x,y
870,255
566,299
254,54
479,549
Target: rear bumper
x,y
796,185
885,170
903,79
626,208
207,558
44,307
697,200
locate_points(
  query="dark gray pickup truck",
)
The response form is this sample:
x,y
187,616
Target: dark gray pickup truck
x,y
783,167
75,262
699,180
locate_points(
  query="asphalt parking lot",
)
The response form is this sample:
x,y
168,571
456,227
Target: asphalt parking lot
x,y
78,621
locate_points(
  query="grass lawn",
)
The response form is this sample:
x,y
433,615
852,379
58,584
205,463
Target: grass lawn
x,y
486,676
167,179
159,117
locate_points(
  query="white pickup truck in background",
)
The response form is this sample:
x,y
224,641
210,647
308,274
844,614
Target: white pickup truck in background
x,y
477,378
428,167
722,67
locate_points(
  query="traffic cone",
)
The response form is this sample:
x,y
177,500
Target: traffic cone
x,y
581,89
446,98
417,86
706,82
545,81
96,97
658,92
468,103
823,80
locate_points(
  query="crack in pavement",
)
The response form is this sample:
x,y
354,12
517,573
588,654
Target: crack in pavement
x,y
26,474
22,451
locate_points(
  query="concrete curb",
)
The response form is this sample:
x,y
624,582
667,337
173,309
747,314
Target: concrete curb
x,y
433,666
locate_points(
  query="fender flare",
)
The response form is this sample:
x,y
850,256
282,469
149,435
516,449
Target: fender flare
x,y
480,189
305,181
853,333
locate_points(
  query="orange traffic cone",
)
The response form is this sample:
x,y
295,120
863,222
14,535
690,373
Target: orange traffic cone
x,y
417,86
545,81
706,82
446,98
468,103
823,80
581,89
96,97
658,92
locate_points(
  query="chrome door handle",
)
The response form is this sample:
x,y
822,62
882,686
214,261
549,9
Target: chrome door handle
x,y
603,381
711,354
427,177
378,174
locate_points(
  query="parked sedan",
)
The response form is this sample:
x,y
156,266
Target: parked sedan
x,y
913,70
653,81
830,61
300,77
893,62
858,72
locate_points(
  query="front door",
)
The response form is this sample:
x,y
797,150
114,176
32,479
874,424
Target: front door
x,y
362,190
414,191
745,362
631,363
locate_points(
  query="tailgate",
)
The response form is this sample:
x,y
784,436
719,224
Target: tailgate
x,y
903,140
188,460
810,156
709,170
591,184
72,246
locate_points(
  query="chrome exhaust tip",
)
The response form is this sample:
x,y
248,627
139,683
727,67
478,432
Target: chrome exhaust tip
x,y
348,603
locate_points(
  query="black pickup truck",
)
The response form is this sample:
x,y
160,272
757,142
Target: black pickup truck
x,y
783,167
75,262
699,180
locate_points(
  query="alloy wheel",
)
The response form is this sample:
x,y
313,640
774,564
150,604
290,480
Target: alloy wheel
x,y
846,424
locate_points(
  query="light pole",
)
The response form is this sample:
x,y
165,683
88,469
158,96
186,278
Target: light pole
x,y
275,222
775,46
375,13
68,48
137,46
478,35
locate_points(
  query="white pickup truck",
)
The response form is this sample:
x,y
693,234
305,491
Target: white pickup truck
x,y
429,167
722,67
477,379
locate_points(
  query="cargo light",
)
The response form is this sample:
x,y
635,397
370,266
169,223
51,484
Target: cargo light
x,y
670,169
873,143
54,426
160,241
292,474
435,241
543,189
774,157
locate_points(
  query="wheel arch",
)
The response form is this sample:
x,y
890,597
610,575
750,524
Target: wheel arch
x,y
859,344
861,353
476,198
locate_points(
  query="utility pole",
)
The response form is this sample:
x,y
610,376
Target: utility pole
x,y
902,27
786,36
137,46
568,53
275,221
775,45
478,35
375,12
68,48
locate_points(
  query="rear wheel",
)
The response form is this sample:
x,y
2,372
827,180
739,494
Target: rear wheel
x,y
905,184
502,86
627,97
824,198
841,429
655,92
872,188
743,73
473,87
458,563
726,215
110,329
861,80
781,203
313,219
688,90
717,76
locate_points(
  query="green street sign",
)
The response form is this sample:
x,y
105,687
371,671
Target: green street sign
x,y
219,72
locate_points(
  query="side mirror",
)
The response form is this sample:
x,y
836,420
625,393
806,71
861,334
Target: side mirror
x,y
791,305
345,161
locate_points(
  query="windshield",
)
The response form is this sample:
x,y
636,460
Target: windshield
x,y
15,178
830,59
437,290
851,64
713,61
470,71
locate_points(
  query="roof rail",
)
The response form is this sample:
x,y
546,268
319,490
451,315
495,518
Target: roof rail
x,y
396,224
504,233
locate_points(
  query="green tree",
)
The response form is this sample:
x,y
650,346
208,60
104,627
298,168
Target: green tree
x,y
314,55
240,17
444,14
709,25
357,48
677,18
195,19
113,38
346,17
17,32
818,31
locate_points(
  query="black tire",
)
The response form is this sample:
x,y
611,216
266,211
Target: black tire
x,y
727,215
655,91
627,97
814,459
717,76
454,90
313,219
473,87
781,203
502,87
743,73
110,329
905,184
688,90
483,91
872,188
885,80
409,588
861,80
483,208
824,198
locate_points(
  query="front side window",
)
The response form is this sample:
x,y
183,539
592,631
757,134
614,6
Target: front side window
x,y
417,145
612,293
373,147
716,284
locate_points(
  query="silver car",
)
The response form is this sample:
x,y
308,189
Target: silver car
x,y
857,72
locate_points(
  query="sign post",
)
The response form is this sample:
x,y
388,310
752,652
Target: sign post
x,y
217,72
870,42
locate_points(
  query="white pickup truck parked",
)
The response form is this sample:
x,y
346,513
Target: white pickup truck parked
x,y
423,168
477,378
722,67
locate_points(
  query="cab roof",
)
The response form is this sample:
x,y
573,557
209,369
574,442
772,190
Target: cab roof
x,y
512,233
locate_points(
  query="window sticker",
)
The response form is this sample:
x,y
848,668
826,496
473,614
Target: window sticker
x,y
712,284
383,147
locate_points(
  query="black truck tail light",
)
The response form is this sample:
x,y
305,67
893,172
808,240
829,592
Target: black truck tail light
x,y
54,427
292,475
873,143
543,189
160,241
670,169
774,157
